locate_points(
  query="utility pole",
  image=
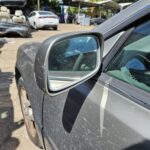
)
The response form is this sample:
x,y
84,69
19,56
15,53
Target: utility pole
x,y
38,4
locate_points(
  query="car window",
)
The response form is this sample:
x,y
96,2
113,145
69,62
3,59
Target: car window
x,y
75,54
45,13
32,14
132,62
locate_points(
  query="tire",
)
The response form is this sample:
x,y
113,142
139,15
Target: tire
x,y
28,118
55,28
35,26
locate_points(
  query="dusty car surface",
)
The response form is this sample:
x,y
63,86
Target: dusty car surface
x,y
89,90
13,23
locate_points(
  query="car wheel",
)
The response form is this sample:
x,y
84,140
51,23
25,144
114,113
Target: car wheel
x,y
35,26
27,113
56,28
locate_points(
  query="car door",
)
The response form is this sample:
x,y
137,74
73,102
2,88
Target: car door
x,y
110,110
31,18
125,123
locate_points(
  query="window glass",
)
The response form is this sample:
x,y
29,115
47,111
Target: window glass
x,y
74,54
132,63
32,14
45,13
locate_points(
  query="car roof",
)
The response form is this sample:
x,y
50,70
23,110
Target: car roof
x,y
124,18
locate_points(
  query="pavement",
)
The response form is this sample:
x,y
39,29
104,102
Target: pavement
x,y
13,135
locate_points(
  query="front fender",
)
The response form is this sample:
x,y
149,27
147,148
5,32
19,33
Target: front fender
x,y
25,66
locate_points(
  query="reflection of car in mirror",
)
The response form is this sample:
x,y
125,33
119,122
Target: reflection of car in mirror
x,y
74,97
75,56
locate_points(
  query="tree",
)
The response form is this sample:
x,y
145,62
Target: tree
x,y
53,5
94,11
73,10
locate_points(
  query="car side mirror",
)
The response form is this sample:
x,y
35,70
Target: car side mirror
x,y
66,60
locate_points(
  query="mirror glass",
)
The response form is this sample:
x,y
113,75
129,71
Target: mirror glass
x,y
72,59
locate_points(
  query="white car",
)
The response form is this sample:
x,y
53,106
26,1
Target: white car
x,y
43,19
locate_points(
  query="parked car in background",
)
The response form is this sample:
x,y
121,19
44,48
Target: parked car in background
x,y
91,89
12,20
13,23
43,19
13,3
97,21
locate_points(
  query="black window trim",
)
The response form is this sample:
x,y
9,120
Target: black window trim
x,y
134,93
116,48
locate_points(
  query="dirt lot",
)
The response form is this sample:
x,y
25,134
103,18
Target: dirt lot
x,y
13,135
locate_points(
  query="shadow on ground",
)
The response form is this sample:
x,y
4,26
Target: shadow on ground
x,y
7,124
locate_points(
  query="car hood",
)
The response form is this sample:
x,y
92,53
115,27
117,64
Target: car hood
x,y
9,28
13,3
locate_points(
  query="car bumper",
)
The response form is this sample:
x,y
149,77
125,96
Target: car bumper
x,y
48,24
10,28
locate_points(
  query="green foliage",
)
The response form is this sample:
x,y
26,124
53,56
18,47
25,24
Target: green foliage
x,y
73,10
53,5
95,0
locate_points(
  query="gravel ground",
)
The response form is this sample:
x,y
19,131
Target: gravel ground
x,y
13,134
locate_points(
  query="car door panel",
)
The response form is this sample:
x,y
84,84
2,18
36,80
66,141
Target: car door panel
x,y
31,18
74,119
74,116
97,115
126,123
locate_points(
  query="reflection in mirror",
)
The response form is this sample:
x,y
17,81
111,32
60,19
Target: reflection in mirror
x,y
72,59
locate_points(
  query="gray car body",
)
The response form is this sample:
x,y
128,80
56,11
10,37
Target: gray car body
x,y
11,28
13,3
75,119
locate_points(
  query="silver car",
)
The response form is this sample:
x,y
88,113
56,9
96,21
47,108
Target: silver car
x,y
90,90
